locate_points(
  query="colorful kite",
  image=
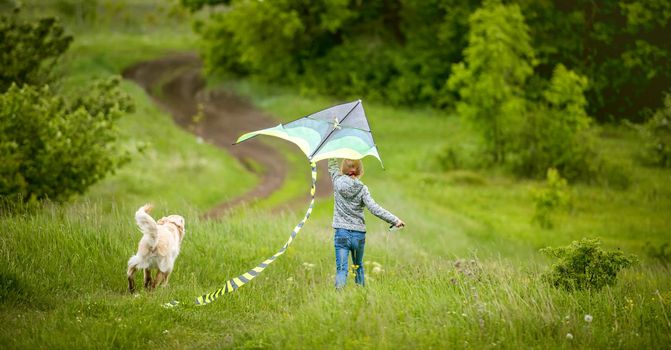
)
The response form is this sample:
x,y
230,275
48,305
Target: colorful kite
x,y
340,131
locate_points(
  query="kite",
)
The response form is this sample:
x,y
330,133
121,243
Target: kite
x,y
340,131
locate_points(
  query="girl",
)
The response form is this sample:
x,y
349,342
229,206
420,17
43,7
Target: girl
x,y
351,196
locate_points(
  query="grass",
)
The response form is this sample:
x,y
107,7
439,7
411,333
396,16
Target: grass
x,y
465,273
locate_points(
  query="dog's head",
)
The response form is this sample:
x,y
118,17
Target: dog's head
x,y
176,220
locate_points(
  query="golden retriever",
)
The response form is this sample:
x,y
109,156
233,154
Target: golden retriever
x,y
157,249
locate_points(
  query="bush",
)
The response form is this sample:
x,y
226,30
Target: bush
x,y
51,148
557,133
584,265
29,49
548,199
656,134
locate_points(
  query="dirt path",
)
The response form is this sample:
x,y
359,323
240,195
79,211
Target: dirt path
x,y
175,84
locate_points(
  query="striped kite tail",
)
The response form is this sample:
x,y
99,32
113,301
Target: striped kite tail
x,y
237,282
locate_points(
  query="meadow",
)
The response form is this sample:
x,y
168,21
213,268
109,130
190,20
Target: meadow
x,y
465,273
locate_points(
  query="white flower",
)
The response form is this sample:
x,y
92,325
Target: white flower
x,y
290,279
569,336
165,331
375,263
588,318
377,269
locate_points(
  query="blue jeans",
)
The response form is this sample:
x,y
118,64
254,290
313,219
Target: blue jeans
x,y
346,242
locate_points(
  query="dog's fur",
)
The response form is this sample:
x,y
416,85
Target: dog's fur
x,y
157,249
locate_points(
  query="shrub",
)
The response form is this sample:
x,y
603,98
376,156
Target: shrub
x,y
51,148
556,133
548,199
29,49
584,265
656,133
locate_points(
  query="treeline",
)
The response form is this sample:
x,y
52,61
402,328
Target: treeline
x,y
402,51
529,75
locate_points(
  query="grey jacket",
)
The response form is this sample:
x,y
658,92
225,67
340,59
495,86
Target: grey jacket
x,y
351,196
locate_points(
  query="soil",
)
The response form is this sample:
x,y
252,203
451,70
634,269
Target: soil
x,y
175,84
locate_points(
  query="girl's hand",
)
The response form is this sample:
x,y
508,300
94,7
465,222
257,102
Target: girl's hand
x,y
400,224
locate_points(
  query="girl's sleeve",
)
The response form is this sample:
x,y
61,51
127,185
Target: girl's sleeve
x,y
376,209
333,168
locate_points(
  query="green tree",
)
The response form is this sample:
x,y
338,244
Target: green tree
x,y
656,135
28,50
556,132
53,149
621,46
490,82
395,50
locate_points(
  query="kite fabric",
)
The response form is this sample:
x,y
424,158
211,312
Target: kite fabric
x,y
340,131
237,282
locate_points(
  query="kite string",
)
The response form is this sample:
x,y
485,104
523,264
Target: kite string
x,y
235,283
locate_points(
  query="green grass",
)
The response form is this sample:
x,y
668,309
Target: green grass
x,y
62,267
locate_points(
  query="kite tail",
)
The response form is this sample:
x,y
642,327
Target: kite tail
x,y
237,282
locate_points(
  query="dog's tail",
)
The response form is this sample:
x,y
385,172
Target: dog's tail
x,y
145,222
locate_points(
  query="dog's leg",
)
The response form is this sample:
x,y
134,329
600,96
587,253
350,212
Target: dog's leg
x,y
131,278
147,279
159,278
167,277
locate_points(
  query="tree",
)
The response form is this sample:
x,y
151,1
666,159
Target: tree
x,y
621,46
53,149
490,81
28,50
556,131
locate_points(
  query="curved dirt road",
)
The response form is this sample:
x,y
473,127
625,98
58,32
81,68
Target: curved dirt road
x,y
175,84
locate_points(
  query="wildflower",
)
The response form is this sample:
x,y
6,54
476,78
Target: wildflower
x,y
165,331
290,279
375,263
569,336
588,318
377,269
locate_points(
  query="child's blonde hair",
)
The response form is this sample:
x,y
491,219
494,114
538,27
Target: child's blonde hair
x,y
352,167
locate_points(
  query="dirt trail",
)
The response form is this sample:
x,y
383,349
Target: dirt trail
x,y
175,84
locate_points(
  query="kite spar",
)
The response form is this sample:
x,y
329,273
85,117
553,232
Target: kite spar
x,y
340,131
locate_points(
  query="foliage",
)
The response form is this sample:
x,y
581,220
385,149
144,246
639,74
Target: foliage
x,y
401,51
656,134
491,80
622,47
375,49
53,149
584,265
195,5
28,50
550,198
556,132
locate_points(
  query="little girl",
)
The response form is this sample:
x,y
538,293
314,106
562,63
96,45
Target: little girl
x,y
351,196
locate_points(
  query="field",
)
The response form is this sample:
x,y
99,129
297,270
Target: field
x,y
465,273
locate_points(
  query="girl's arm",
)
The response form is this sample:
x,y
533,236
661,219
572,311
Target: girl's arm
x,y
376,209
334,170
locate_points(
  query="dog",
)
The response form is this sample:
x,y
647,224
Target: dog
x,y
158,248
